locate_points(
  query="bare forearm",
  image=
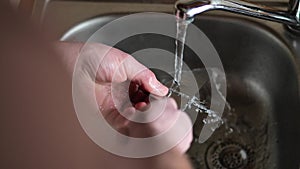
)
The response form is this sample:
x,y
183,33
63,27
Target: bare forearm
x,y
169,160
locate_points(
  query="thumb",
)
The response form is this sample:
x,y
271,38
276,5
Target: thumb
x,y
137,72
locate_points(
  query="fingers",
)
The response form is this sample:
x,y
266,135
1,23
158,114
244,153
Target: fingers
x,y
161,117
155,118
141,106
113,65
187,139
149,82
178,125
140,74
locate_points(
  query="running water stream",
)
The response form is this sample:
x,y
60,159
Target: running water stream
x,y
194,101
180,41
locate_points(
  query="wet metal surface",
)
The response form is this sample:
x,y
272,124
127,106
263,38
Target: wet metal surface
x,y
263,129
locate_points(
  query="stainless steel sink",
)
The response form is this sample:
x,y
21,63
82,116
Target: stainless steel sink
x,y
263,128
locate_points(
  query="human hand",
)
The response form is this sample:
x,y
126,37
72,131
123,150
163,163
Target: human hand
x,y
122,89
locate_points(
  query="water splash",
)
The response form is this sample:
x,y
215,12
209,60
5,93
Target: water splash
x,y
213,117
200,107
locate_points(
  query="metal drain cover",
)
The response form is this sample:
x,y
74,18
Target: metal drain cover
x,y
229,155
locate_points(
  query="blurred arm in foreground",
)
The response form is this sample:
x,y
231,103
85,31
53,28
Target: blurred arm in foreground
x,y
39,128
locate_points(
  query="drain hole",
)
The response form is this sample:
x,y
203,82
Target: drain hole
x,y
229,155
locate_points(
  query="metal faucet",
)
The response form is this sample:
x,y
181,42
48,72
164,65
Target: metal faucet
x,y
188,9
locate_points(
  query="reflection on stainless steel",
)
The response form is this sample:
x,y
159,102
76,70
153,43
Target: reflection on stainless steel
x,y
189,9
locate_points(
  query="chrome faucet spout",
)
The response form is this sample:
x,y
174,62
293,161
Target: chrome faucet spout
x,y
188,9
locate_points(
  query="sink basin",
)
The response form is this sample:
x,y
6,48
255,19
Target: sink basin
x,y
261,129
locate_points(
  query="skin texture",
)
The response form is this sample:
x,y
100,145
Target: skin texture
x,y
38,124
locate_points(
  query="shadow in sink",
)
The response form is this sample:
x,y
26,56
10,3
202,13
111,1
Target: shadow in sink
x,y
261,128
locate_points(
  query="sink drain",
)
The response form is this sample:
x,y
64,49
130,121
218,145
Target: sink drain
x,y
229,155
